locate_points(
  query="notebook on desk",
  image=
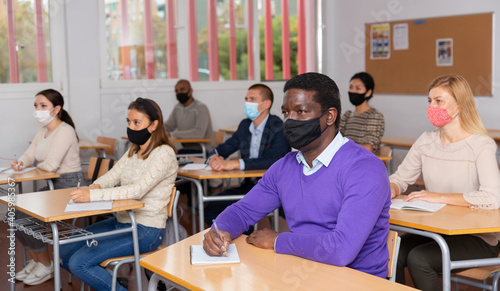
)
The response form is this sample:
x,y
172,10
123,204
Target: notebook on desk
x,y
200,257
416,205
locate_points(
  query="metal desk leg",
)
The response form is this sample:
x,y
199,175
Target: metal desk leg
x,y
51,185
201,203
57,266
203,150
445,251
135,237
153,282
276,219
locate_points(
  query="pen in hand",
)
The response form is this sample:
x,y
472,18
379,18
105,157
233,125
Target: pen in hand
x,y
78,185
218,233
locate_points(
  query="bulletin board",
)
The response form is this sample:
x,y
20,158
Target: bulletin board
x,y
464,48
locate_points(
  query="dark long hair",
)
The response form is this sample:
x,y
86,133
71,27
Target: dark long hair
x,y
57,99
159,136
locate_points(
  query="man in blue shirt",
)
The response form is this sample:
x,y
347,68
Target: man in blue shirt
x,y
260,140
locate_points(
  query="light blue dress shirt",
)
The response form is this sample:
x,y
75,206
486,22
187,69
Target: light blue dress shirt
x,y
255,141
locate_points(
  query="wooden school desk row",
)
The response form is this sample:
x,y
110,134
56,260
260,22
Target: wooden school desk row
x,y
48,208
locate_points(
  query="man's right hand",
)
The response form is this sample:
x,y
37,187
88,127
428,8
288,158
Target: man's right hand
x,y
213,245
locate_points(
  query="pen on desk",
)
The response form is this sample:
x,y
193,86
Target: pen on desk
x,y
218,233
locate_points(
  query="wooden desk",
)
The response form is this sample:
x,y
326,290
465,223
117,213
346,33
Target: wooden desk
x,y
259,270
35,175
196,176
449,220
200,141
229,129
398,141
87,144
48,206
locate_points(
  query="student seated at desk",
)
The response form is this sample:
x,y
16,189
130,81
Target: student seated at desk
x,y
459,168
260,140
54,149
334,193
365,126
146,173
189,119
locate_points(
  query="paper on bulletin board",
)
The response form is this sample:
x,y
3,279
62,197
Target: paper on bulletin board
x,y
444,52
400,36
380,41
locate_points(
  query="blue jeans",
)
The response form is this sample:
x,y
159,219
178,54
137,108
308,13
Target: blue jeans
x,y
83,261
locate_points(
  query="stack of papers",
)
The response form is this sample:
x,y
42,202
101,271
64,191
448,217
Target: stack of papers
x,y
416,205
200,257
88,206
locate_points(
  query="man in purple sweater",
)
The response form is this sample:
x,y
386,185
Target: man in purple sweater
x,y
335,194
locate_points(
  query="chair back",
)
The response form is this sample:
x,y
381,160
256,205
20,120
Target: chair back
x,y
170,205
99,167
385,151
393,241
109,141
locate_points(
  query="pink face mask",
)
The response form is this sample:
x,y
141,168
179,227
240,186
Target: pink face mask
x,y
439,117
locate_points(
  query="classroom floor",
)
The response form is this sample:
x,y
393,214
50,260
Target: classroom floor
x,y
124,272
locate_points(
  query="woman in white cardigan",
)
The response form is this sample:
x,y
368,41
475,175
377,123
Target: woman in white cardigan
x,y
146,173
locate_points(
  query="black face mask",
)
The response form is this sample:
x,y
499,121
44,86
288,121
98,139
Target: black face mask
x,y
300,133
138,137
356,98
182,97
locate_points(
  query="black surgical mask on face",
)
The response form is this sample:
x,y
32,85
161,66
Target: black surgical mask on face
x,y
356,98
182,97
138,137
300,133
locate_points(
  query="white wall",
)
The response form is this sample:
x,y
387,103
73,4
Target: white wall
x,y
405,115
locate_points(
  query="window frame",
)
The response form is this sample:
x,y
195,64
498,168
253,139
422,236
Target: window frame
x,y
57,15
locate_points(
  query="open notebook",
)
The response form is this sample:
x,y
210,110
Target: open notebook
x,y
416,205
200,257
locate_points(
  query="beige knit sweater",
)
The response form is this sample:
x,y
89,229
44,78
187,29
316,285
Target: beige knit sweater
x,y
468,166
149,181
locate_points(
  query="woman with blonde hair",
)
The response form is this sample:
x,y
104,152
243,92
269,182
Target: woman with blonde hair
x,y
459,167
146,173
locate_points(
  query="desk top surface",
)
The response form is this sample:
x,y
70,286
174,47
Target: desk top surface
x,y
182,140
36,174
259,270
49,206
398,141
212,174
229,129
87,144
450,220
189,140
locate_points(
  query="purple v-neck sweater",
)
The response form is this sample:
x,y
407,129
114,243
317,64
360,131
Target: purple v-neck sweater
x,y
338,215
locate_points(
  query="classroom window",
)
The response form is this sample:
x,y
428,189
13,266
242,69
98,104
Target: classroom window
x,y
25,48
212,39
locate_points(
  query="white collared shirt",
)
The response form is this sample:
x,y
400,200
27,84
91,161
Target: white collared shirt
x,y
324,158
